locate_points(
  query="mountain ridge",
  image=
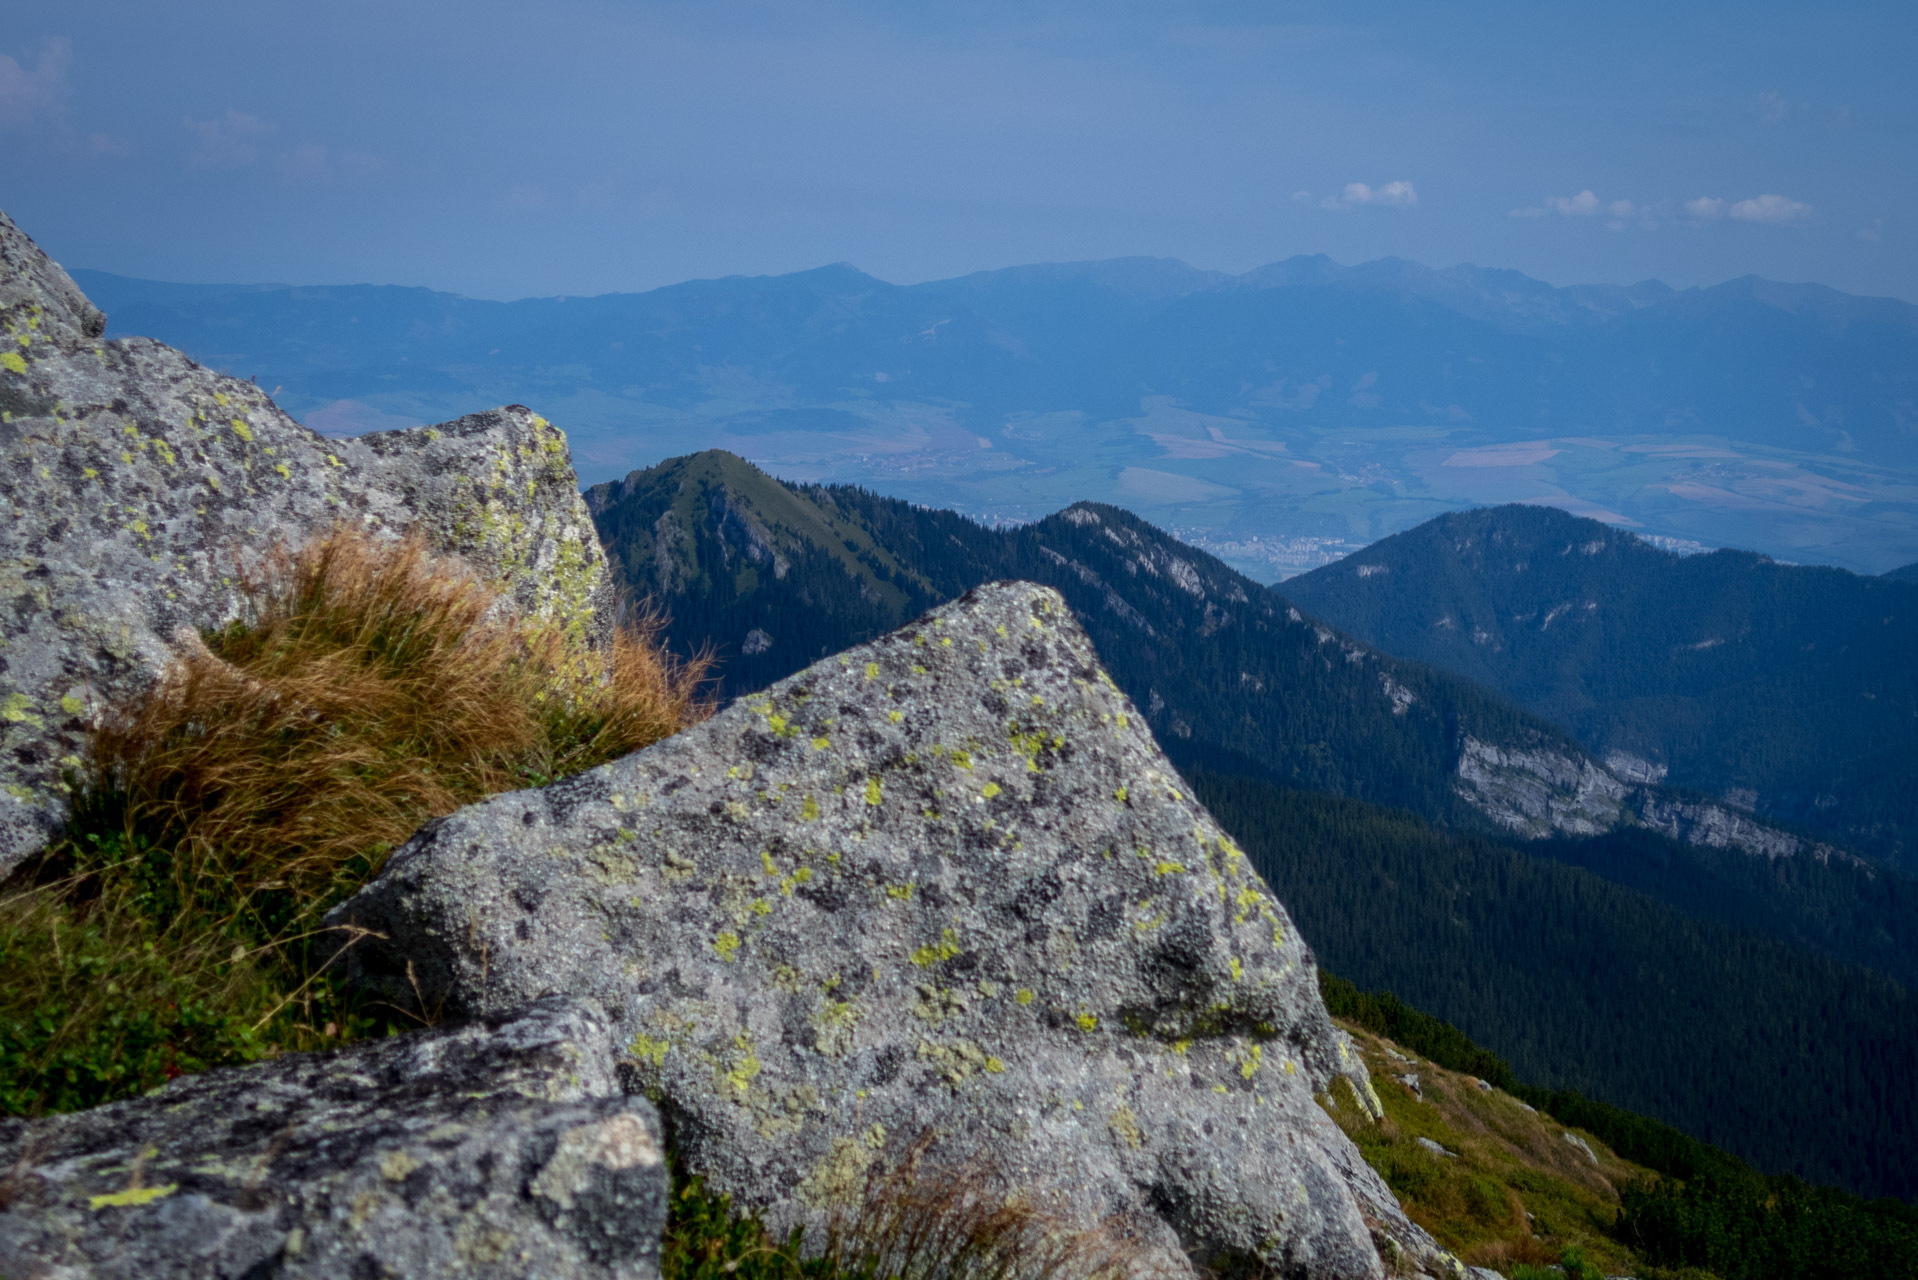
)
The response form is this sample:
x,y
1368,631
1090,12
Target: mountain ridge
x,y
1785,690
1279,416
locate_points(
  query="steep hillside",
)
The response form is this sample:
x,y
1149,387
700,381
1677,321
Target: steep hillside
x,y
1903,573
1790,690
1225,672
1783,1057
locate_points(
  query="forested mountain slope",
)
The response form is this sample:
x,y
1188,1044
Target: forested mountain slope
x,y
1903,573
1792,690
1787,1059
776,576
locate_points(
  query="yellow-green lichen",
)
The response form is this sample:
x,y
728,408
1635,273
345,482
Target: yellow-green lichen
x,y
16,708
946,948
132,1196
727,945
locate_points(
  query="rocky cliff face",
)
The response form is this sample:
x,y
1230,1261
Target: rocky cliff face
x,y
943,886
498,1150
135,483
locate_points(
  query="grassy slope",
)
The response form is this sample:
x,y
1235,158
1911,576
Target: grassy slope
x,y
1516,1192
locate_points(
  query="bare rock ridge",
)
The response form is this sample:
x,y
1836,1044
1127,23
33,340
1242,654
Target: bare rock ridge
x,y
941,885
1538,792
133,480
501,1149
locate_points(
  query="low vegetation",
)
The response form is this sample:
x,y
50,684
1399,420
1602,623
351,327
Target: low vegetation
x,y
1651,1200
913,1220
1499,1184
365,687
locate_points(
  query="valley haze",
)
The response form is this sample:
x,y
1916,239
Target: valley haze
x,y
1280,418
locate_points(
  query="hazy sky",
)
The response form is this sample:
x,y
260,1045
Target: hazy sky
x,y
577,146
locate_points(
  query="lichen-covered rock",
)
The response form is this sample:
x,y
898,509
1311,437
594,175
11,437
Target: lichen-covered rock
x,y
943,885
133,479
500,1149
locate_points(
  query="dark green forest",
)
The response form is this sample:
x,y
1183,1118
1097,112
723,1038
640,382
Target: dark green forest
x,y
1797,684
1792,1061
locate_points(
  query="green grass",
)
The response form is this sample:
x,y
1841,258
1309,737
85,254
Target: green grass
x,y
1515,1194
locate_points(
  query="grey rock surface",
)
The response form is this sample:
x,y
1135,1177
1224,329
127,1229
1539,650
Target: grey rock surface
x,y
942,885
133,480
1537,793
501,1149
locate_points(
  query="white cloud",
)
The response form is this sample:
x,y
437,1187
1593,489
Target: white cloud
x,y
27,94
1705,209
1770,208
1300,197
231,141
105,144
1395,195
312,164
1585,204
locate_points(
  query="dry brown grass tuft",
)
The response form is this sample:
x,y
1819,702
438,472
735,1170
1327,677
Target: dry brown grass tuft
x,y
971,1221
912,1219
366,687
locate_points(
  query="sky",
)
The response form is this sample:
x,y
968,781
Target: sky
x,y
586,146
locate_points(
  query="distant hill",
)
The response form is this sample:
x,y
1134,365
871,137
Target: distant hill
x,y
1279,417
1904,573
1793,690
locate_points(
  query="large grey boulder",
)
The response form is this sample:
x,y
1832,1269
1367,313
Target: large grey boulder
x,y
496,1150
132,480
940,887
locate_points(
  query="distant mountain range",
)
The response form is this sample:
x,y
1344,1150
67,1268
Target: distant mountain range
x,y
1278,418
1491,905
1792,691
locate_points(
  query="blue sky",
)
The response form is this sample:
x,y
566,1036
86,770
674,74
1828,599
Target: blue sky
x,y
584,146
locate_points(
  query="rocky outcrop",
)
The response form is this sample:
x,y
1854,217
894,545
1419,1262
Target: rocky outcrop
x,y
134,481
1539,792
943,887
1714,826
500,1149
